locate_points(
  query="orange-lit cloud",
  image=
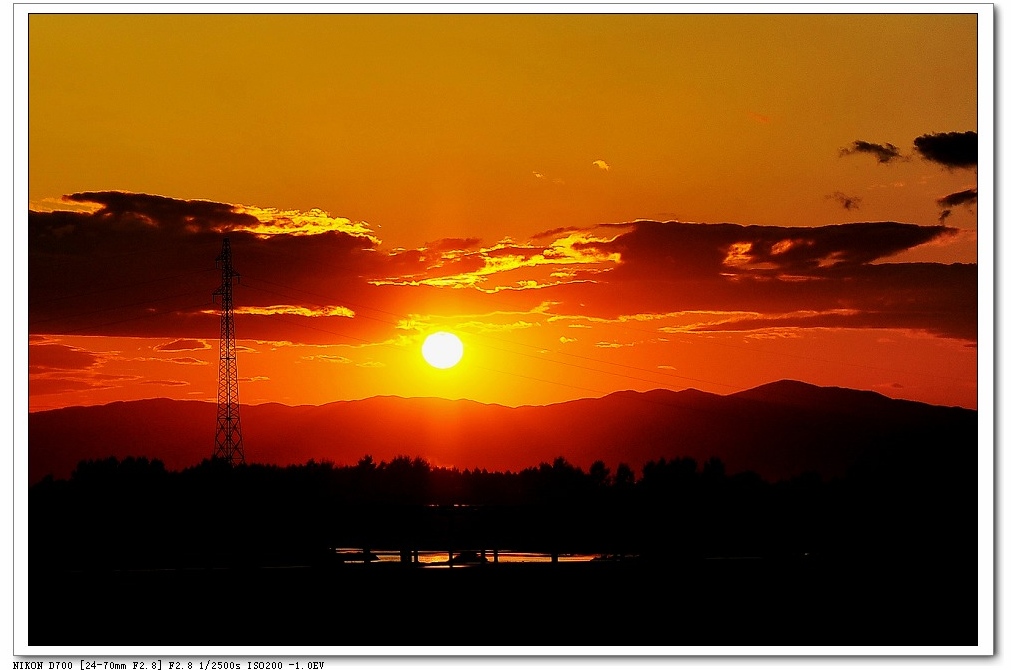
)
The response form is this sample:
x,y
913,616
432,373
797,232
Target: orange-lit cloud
x,y
329,358
528,266
186,360
610,270
296,310
183,345
59,357
292,222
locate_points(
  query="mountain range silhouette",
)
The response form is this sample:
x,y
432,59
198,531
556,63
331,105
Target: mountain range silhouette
x,y
778,430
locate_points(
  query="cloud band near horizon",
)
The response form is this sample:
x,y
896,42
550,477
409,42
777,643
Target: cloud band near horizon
x,y
143,265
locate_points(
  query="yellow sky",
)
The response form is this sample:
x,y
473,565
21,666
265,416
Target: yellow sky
x,y
490,125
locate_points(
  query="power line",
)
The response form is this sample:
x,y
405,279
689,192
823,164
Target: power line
x,y
149,315
109,289
113,308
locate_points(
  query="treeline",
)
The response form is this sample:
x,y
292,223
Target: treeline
x,y
135,513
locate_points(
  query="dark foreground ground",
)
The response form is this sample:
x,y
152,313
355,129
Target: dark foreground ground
x,y
727,602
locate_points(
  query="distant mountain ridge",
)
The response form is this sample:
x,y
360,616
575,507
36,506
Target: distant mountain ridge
x,y
777,430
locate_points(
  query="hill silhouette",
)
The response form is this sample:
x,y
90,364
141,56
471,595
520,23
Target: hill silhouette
x,y
778,430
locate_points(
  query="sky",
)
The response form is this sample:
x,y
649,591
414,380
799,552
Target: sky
x,y
591,202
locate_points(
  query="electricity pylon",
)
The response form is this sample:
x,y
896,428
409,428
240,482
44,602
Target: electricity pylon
x,y
228,438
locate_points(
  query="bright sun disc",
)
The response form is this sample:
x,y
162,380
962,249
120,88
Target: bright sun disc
x,y
442,350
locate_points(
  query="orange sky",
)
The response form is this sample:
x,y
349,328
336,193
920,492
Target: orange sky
x,y
591,202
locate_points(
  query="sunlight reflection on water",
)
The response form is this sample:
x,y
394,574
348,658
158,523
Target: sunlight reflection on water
x,y
441,557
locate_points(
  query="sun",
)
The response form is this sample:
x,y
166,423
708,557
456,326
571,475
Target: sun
x,y
442,350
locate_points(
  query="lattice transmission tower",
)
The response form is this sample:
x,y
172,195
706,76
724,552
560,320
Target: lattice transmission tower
x,y
228,437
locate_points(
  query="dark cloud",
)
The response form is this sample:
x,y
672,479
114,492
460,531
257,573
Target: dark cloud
x,y
183,345
696,250
847,202
125,210
885,153
953,150
145,265
935,298
59,357
834,271
52,385
966,197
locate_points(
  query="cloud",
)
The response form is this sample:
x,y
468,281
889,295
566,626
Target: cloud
x,y
297,310
59,382
124,210
147,265
183,345
870,317
144,266
648,271
328,358
489,327
294,222
602,165
542,177
59,357
187,360
701,250
885,153
486,269
204,215
57,385
953,150
555,232
681,267
966,197
848,202
165,382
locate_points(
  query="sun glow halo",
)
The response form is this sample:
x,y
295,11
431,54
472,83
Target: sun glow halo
x,y
442,350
